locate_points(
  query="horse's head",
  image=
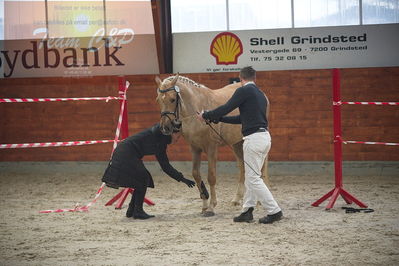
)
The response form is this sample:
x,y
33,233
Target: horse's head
x,y
168,99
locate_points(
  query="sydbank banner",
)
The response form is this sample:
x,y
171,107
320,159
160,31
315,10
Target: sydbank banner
x,y
284,49
79,56
68,38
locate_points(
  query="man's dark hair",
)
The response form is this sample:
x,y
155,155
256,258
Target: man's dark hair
x,y
248,73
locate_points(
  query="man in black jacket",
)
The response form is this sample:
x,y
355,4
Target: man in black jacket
x,y
252,104
126,168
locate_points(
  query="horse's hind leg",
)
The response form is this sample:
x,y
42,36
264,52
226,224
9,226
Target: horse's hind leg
x,y
238,152
197,177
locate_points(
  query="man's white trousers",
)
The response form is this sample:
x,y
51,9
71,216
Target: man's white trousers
x,y
256,147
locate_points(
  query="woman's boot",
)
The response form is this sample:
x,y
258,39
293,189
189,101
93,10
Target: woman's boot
x,y
138,211
129,212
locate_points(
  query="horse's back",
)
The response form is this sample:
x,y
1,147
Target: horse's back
x,y
225,93
228,89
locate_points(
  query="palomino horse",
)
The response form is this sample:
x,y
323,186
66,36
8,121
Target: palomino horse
x,y
180,99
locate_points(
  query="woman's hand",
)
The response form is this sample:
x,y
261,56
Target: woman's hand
x,y
188,182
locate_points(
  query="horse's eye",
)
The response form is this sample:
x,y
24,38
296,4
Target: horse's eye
x,y
172,100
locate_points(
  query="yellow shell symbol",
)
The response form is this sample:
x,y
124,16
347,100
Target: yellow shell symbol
x,y
226,47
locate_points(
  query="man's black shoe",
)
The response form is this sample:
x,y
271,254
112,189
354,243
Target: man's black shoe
x,y
245,216
268,219
141,215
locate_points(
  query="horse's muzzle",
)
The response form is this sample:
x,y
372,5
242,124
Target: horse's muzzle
x,y
166,130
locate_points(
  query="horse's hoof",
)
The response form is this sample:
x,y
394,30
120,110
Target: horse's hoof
x,y
208,214
235,203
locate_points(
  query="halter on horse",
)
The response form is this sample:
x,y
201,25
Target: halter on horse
x,y
176,123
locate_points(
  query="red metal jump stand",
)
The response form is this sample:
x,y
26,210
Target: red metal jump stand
x,y
122,195
124,133
338,190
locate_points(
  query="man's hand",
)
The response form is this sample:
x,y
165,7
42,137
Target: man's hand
x,y
188,182
199,116
202,119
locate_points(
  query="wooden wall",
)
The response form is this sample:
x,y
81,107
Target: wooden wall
x,y
300,119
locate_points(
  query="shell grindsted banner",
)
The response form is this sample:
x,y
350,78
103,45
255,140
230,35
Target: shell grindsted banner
x,y
284,49
77,38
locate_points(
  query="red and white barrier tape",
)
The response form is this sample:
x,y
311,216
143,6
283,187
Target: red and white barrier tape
x,y
369,142
77,208
31,100
367,103
53,144
373,103
118,128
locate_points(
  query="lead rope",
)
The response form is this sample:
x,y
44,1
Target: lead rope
x,y
220,136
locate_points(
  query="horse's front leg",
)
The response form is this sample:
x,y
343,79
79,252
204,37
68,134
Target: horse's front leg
x,y
197,177
212,158
238,152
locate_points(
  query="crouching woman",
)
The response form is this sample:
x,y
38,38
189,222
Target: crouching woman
x,y
126,168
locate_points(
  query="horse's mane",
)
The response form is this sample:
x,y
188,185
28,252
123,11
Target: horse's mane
x,y
185,80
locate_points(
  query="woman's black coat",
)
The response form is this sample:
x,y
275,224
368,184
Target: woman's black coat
x,y
126,168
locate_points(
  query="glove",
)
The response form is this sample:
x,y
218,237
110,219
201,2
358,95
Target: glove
x,y
208,120
188,182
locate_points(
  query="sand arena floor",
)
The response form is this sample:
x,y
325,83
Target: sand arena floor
x,y
179,235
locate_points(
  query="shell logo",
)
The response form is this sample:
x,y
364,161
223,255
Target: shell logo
x,y
226,47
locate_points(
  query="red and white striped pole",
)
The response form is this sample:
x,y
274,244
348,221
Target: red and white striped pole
x,y
338,190
122,132
122,91
337,128
122,118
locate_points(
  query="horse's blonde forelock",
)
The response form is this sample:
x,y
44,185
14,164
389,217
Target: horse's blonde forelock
x,y
184,80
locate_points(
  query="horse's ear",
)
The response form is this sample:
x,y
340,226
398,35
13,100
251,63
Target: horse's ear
x,y
175,79
158,81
